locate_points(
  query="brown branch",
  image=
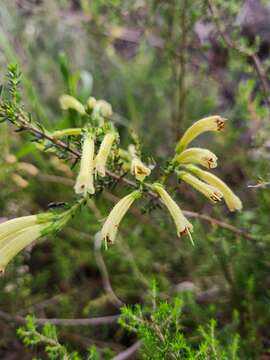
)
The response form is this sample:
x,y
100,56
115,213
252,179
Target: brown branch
x,y
104,273
128,352
219,223
95,321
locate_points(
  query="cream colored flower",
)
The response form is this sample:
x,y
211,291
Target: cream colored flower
x,y
103,153
200,156
211,123
69,102
183,226
85,182
110,227
137,168
11,226
232,201
211,192
17,233
17,241
103,108
91,102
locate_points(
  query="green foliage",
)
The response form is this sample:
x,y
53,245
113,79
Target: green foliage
x,y
138,57
48,338
163,336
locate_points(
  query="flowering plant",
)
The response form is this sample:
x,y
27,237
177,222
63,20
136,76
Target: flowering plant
x,y
97,148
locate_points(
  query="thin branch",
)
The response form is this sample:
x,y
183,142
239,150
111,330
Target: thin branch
x,y
128,352
219,223
104,272
95,321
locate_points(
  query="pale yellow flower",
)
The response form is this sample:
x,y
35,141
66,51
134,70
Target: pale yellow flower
x,y
110,227
211,192
199,156
211,123
232,201
17,233
17,241
103,153
137,168
183,226
11,226
85,181
103,108
91,102
69,102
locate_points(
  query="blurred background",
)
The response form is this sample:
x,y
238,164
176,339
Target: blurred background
x,y
162,65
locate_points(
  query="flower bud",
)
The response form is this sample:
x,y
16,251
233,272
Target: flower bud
x,y
103,108
91,102
69,102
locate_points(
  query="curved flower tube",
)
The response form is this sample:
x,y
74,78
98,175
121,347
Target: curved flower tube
x,y
211,123
232,201
69,102
103,153
85,182
199,156
211,192
183,226
110,227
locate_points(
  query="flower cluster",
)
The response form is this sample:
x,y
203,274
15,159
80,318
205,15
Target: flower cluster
x,y
18,233
203,181
99,109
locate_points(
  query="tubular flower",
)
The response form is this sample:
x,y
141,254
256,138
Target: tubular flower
x,y
183,226
110,227
211,192
211,123
14,225
17,233
232,201
69,102
200,156
103,153
85,182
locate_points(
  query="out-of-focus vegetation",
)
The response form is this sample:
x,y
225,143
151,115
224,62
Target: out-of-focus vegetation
x,y
162,65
